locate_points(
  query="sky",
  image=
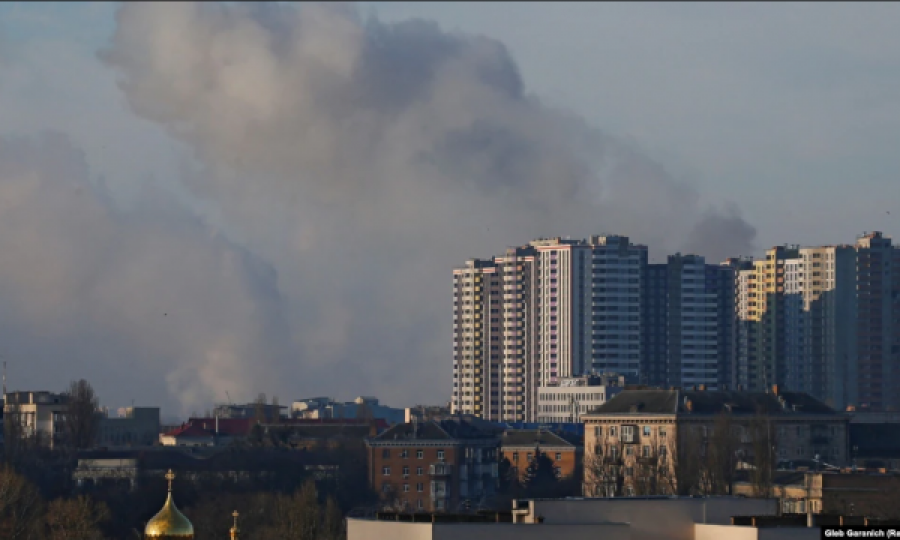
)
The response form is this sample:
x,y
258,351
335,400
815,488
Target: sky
x,y
201,199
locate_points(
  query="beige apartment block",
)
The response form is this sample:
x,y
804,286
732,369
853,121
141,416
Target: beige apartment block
x,y
640,441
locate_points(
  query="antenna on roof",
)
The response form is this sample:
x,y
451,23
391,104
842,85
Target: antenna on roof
x,y
4,379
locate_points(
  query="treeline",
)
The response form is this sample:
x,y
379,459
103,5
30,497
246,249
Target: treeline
x,y
278,492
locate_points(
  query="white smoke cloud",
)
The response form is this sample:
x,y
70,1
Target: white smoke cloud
x,y
364,160
147,305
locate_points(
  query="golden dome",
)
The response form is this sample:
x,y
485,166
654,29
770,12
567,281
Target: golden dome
x,y
169,523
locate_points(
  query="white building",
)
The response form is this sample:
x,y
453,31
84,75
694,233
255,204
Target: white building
x,y
40,415
566,401
361,407
556,308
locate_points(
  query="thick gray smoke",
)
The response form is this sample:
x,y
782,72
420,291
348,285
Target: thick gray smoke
x,y
362,161
146,305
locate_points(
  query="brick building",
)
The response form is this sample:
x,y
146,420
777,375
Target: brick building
x,y
639,429
436,465
520,446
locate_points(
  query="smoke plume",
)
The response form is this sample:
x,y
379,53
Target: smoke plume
x,y
362,161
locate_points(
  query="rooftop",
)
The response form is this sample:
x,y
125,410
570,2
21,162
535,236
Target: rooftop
x,y
701,402
446,428
532,438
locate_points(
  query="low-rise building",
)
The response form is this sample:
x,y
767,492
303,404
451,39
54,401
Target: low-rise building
x,y
835,493
259,411
434,466
711,518
363,407
569,398
137,426
635,441
520,446
39,416
422,413
207,432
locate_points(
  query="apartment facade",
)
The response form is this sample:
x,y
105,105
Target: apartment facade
x,y
640,430
434,466
878,322
553,309
689,313
823,320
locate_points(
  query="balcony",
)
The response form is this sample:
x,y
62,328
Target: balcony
x,y
440,469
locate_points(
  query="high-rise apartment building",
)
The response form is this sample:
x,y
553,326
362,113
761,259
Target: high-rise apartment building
x,y
493,332
556,308
688,323
878,322
818,327
823,320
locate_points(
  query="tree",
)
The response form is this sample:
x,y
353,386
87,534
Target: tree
x,y
540,476
14,439
685,459
75,519
719,470
21,507
604,469
764,443
332,521
81,420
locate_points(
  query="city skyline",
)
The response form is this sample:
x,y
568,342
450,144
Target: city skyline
x,y
206,199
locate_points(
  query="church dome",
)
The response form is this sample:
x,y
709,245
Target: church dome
x,y
169,523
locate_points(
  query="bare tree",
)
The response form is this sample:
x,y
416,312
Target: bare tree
x,y
81,419
604,469
762,435
685,456
650,468
14,436
21,507
75,519
721,461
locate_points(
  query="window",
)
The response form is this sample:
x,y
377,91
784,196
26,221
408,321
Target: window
x,y
386,453
558,456
629,450
420,487
662,451
612,431
598,431
515,457
419,504
405,472
440,454
405,488
419,471
529,457
628,434
439,504
614,452
557,471
420,454
645,452
646,431
385,488
386,471
662,432
404,454
799,451
629,471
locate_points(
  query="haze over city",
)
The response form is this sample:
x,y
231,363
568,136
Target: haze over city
x,y
201,202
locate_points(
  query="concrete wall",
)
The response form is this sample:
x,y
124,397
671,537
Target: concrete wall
x,y
362,529
544,531
672,519
726,532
